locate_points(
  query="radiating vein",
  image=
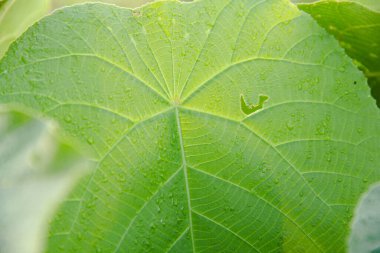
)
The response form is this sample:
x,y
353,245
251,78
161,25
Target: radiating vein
x,y
205,114
178,238
99,162
264,200
162,96
227,229
142,208
235,64
184,166
202,50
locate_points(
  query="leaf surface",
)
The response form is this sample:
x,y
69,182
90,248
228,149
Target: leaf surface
x,y
356,25
124,3
157,93
37,171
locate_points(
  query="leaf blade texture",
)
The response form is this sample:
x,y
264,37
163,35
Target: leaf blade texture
x,y
156,93
124,3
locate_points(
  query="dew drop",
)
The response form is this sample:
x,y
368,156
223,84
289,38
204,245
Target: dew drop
x,y
80,237
290,125
90,140
68,119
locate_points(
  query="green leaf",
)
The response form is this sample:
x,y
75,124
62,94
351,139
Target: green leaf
x,y
16,16
124,3
156,93
373,5
36,172
356,25
365,235
303,1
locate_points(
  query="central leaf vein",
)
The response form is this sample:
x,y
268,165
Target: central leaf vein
x,y
184,166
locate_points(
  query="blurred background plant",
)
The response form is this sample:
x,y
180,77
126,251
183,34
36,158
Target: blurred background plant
x,y
37,170
16,16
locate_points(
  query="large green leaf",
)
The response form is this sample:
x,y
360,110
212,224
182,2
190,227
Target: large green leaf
x,y
36,172
16,16
356,25
124,3
303,1
219,125
365,235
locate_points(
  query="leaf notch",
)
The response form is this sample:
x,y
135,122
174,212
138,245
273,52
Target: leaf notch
x,y
251,108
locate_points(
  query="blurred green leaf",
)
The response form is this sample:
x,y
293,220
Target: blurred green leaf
x,y
365,233
303,1
16,16
36,172
356,25
370,4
